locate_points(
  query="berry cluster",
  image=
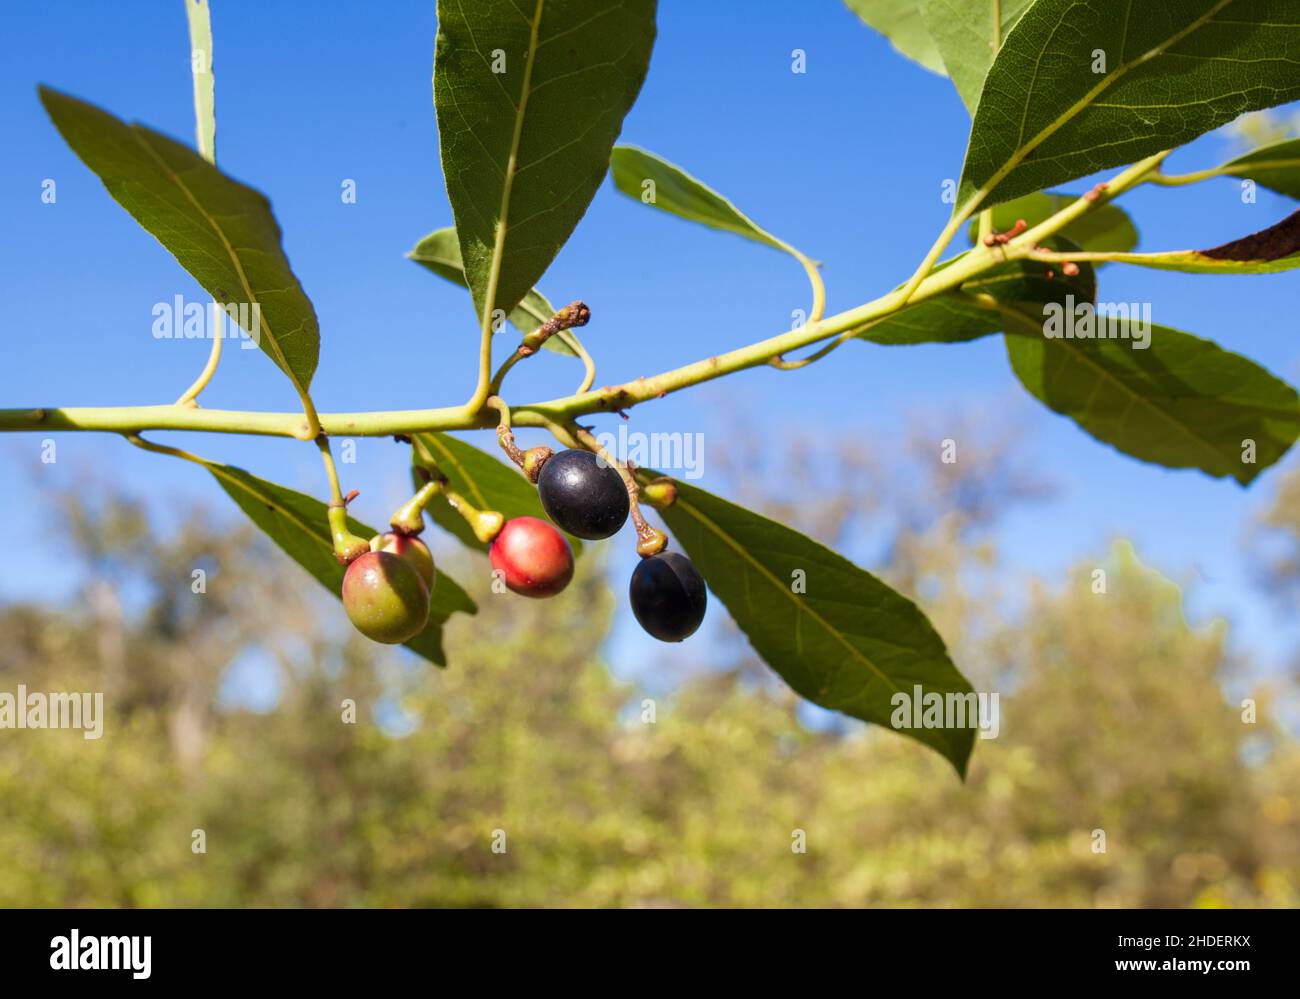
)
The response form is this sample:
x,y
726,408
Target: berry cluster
x,y
586,497
386,590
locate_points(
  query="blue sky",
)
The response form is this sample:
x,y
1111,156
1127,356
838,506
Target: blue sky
x,y
845,161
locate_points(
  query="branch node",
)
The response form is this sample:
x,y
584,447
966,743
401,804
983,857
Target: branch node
x,y
1003,238
1096,191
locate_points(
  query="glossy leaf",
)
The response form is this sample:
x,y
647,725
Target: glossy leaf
x,y
1182,402
957,317
1106,228
849,642
675,191
902,23
483,479
1173,71
1275,166
530,96
222,232
963,32
297,523
440,252
205,114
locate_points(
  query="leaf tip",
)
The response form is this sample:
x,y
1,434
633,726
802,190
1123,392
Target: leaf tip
x,y
1274,243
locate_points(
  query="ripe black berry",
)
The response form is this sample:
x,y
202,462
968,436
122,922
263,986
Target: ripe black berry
x,y
583,495
668,596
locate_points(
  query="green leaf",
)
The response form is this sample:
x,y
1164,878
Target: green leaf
x,y
1182,402
1276,167
440,252
901,22
222,232
848,643
297,523
1268,251
1106,228
963,32
205,114
957,318
484,480
675,191
530,96
1173,71
945,319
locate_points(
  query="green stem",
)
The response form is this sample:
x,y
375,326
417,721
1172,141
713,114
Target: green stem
x,y
986,216
1125,180
189,396
915,282
409,517
347,546
173,452
200,22
803,362
529,462
559,324
135,419
130,419
1079,256
1228,170
483,389
814,279
1180,179
331,473
589,366
486,524
494,386
498,406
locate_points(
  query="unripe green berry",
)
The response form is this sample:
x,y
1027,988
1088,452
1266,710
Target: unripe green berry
x,y
385,598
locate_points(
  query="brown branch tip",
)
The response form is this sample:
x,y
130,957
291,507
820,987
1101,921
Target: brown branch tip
x,y
1002,238
573,314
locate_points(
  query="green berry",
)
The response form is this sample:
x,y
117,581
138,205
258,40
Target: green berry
x,y
385,598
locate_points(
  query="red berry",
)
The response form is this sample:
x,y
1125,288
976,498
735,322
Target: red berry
x,y
533,557
411,549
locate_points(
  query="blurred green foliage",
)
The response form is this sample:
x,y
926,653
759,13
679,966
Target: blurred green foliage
x,y
1117,718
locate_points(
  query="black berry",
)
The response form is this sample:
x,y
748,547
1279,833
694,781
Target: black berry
x,y
668,596
583,495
